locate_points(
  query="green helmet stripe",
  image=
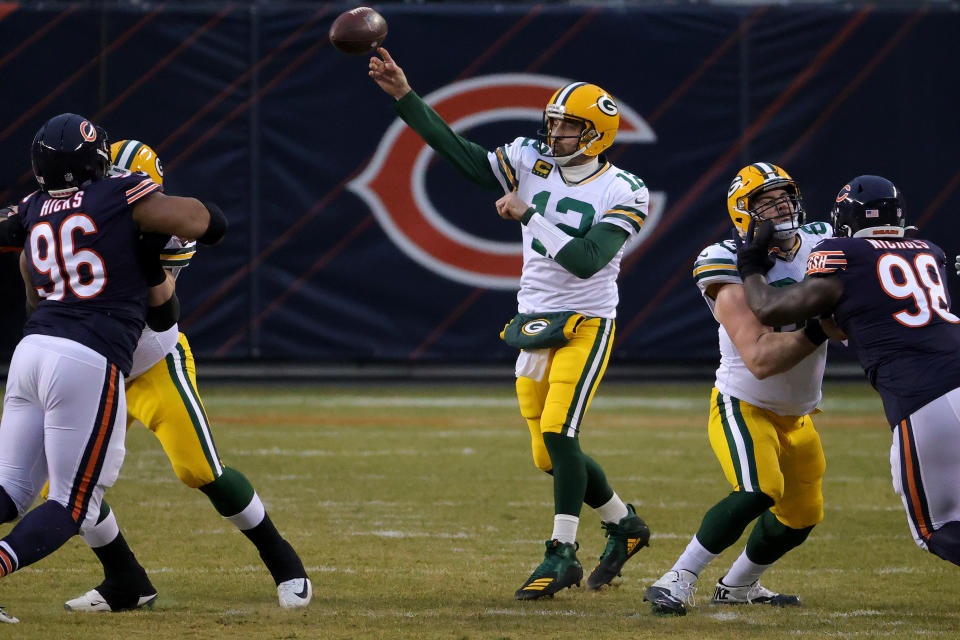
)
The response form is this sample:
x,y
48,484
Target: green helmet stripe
x,y
127,153
566,91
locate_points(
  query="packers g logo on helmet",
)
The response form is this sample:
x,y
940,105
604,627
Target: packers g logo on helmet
x,y
134,155
592,107
753,180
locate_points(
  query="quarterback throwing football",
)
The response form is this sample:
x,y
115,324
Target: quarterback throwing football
x,y
576,212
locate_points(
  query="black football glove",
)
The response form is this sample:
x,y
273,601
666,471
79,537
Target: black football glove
x,y
753,256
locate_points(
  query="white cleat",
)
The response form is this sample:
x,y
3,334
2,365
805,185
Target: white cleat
x,y
671,594
754,593
92,601
6,617
295,593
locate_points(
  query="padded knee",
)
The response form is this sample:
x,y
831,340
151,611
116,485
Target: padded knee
x,y
945,542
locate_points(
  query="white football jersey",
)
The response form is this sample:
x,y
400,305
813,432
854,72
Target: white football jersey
x,y
154,347
795,392
610,195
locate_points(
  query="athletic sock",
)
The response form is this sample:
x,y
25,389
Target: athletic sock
x,y
694,558
235,499
725,522
277,554
744,571
598,492
771,539
613,511
565,528
569,473
230,493
41,532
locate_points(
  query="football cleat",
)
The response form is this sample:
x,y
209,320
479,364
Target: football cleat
x,y
6,617
624,540
671,594
754,593
560,569
295,593
93,601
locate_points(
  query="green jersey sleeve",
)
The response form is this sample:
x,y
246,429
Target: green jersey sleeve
x,y
468,157
585,256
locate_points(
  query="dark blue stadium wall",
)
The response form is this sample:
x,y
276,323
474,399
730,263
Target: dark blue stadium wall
x,y
351,245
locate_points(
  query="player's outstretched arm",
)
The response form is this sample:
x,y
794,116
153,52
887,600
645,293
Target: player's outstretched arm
x,y
388,74
779,306
186,218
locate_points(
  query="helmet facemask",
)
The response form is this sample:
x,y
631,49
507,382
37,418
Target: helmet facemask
x,y
770,210
588,133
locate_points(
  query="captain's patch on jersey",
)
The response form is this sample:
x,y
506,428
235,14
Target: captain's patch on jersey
x,y
542,168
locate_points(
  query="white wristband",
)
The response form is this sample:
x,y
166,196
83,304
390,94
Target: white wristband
x,y
552,238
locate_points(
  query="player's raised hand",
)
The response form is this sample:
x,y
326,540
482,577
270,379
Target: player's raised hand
x,y
753,256
956,265
388,75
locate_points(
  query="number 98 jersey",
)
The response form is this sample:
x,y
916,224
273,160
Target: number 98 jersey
x,y
895,309
81,251
609,195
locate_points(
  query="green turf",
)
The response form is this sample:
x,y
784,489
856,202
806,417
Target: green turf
x,y
418,512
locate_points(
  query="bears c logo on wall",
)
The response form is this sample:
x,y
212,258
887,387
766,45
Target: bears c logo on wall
x,y
393,184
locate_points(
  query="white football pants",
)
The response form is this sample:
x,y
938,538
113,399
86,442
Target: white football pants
x,y
64,415
925,465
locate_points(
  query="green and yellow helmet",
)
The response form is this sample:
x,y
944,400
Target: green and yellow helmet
x,y
134,155
750,182
590,106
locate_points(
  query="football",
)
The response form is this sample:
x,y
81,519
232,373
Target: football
x,y
358,31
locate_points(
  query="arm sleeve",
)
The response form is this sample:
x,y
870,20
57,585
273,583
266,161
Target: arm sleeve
x,y
468,157
585,256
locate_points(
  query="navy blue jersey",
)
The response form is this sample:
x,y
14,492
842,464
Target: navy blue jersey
x,y
82,254
896,311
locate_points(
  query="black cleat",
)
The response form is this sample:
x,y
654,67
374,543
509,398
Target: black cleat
x,y
624,540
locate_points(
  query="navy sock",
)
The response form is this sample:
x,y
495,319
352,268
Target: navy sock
x,y
40,533
945,542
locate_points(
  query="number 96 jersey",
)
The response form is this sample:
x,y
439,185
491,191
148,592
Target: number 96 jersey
x,y
895,310
81,250
609,195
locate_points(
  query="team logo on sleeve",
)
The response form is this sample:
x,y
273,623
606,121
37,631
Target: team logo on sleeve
x,y
394,184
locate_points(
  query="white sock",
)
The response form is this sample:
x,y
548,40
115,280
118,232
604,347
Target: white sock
x,y
565,528
694,558
251,516
102,533
744,571
613,510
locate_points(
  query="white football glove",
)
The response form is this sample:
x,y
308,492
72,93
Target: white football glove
x,y
956,265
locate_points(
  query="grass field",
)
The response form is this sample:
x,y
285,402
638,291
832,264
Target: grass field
x,y
418,512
